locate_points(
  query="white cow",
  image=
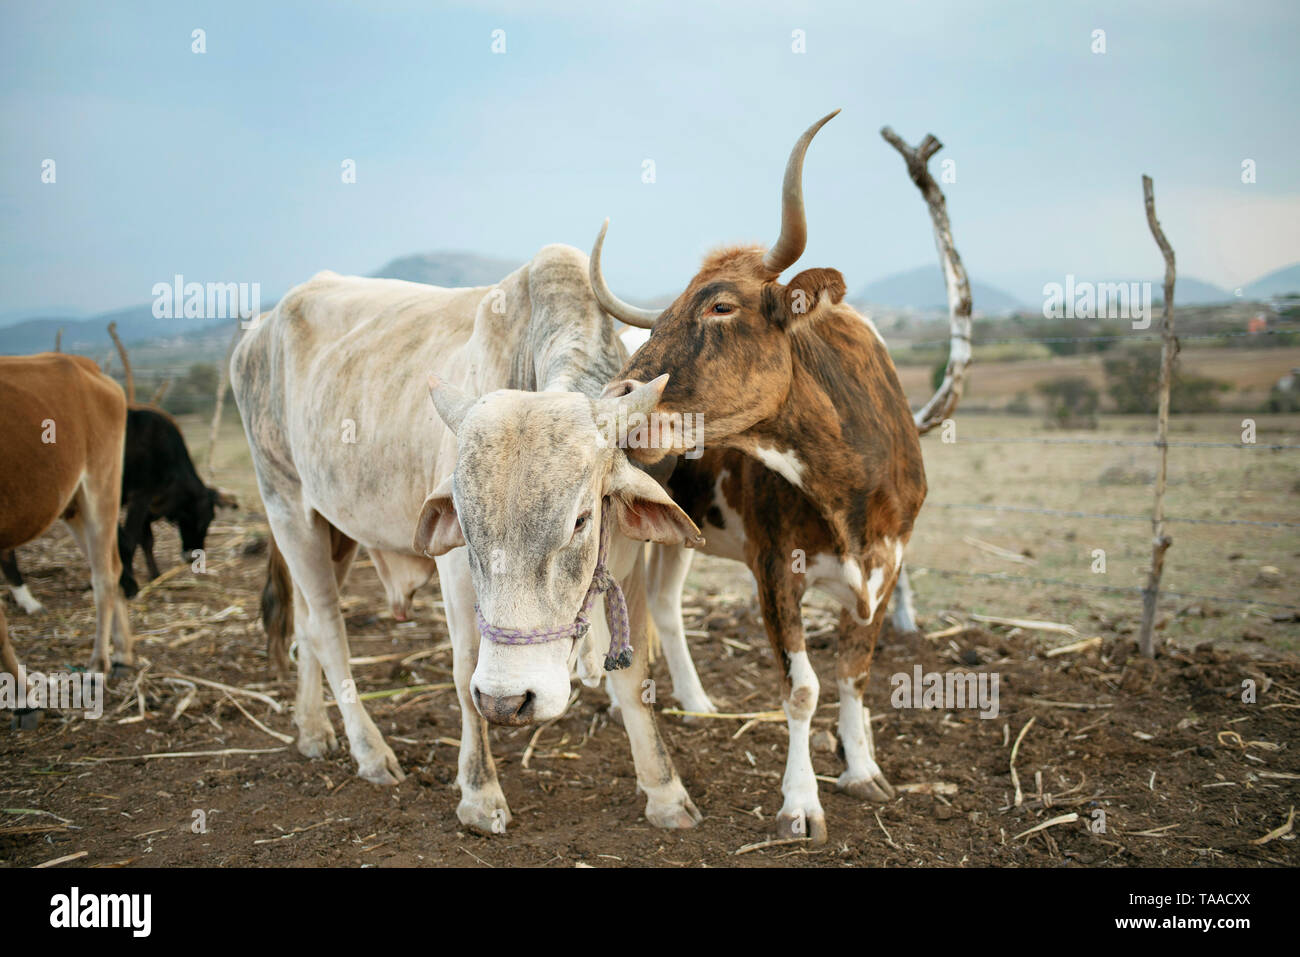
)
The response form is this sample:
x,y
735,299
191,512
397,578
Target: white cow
x,y
332,388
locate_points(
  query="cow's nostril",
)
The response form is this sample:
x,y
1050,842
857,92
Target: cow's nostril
x,y
525,710
619,389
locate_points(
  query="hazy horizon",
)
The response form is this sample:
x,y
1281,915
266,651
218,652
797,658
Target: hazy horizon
x,y
225,166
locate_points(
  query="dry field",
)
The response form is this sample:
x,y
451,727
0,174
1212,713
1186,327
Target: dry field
x,y
1252,372
1184,771
1219,484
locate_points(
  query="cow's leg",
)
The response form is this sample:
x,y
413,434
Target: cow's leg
x,y
93,521
316,737
667,803
667,568
862,777
24,718
146,545
904,616
483,804
8,660
318,624
779,598
21,593
615,708
129,536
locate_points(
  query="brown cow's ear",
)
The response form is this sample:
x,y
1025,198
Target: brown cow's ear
x,y
644,511
438,531
800,299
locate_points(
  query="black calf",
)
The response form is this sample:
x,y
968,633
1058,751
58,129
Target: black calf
x,y
159,481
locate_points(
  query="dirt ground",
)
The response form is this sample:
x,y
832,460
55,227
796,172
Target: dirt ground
x,y
1185,771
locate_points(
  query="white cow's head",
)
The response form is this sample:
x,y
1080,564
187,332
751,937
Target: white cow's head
x,y
532,471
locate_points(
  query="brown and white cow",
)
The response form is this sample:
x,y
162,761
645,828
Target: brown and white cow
x,y
813,472
333,389
61,440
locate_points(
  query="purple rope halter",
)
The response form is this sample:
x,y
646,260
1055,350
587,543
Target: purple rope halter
x,y
620,646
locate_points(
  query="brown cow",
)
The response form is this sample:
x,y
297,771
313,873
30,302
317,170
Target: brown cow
x,y
61,443
823,478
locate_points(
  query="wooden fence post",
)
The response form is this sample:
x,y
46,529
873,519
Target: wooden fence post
x,y
126,362
1168,351
944,402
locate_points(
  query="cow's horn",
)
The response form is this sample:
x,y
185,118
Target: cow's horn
x,y
616,307
451,402
790,244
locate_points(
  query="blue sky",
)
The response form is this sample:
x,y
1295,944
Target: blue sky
x,y
225,166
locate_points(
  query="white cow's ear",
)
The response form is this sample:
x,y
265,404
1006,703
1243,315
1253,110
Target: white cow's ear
x,y
438,529
645,511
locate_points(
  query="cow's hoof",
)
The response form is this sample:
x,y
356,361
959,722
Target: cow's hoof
x,y
120,670
799,823
674,817
484,813
875,788
317,743
25,719
382,769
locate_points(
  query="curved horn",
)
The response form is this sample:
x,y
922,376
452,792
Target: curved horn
x,y
616,307
790,244
451,402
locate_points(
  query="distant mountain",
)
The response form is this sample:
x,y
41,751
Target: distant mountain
x,y
448,269
1189,292
134,324
33,330
63,313
1277,283
137,323
923,289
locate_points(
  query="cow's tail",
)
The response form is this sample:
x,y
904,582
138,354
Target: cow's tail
x,y
277,608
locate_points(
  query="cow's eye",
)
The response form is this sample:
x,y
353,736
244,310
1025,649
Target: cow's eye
x,y
722,309
582,521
